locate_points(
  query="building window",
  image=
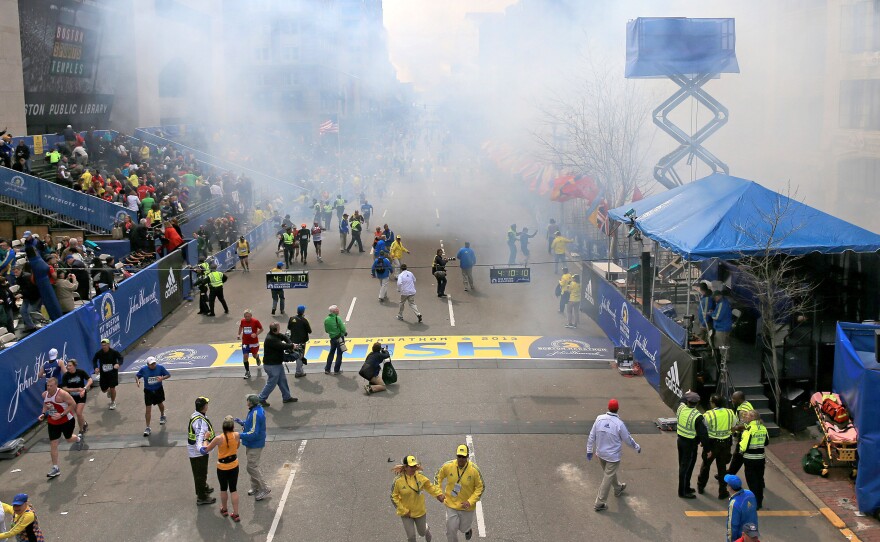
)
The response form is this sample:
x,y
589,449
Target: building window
x,y
858,176
854,26
860,104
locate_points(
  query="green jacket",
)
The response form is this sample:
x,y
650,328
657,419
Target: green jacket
x,y
334,326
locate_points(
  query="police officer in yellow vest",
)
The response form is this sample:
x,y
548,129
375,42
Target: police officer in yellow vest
x,y
691,428
288,239
199,435
215,286
751,446
740,406
201,283
719,425
328,213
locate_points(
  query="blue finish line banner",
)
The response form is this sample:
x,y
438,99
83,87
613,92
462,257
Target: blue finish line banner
x,y
54,197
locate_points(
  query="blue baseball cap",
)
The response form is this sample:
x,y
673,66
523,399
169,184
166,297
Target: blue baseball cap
x,y
733,481
20,499
301,309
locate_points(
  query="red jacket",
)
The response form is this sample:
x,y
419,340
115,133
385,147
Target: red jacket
x,y
172,239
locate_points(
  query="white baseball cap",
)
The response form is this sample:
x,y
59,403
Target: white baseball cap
x,y
53,354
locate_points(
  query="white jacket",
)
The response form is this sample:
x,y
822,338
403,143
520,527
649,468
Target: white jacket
x,y
406,283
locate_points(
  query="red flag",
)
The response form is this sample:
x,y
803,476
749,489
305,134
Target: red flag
x,y
637,195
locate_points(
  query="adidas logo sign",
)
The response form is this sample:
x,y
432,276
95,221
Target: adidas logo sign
x,y
673,381
170,285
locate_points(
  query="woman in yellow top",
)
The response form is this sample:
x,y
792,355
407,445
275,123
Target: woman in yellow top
x,y
406,494
154,216
574,301
227,465
24,525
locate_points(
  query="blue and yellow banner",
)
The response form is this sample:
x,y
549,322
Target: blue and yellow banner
x,y
426,348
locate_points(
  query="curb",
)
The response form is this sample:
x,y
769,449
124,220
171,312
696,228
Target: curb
x,y
829,514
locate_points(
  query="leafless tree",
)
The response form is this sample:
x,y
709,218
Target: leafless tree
x,y
781,292
601,129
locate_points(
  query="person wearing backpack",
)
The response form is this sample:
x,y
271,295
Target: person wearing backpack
x,y
382,270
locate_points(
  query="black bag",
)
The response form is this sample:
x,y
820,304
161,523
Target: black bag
x,y
366,371
440,274
380,266
558,290
389,375
813,462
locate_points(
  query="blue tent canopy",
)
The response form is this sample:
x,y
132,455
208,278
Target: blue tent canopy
x,y
721,216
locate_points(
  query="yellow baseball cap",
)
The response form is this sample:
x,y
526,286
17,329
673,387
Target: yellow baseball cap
x,y
410,461
462,451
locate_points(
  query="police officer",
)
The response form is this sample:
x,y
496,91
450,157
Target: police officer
x,y
277,294
215,285
751,446
356,226
740,406
202,284
691,429
719,425
200,433
288,239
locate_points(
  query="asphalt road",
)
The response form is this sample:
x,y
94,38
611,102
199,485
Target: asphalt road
x,y
527,419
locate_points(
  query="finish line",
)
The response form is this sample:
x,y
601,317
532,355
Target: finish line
x,y
441,347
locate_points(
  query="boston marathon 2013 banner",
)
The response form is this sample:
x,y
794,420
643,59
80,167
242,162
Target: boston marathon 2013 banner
x,y
69,61
427,348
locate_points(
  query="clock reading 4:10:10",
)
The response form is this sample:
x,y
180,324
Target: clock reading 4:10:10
x,y
287,279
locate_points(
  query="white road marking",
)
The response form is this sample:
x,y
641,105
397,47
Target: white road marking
x,y
385,212
350,309
293,469
438,213
481,521
451,316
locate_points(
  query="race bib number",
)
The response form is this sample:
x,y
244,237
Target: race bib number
x,y
153,380
107,367
247,330
456,489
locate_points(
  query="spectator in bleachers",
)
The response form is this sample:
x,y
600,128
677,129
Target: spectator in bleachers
x,y
69,137
7,302
23,152
154,216
80,155
171,238
62,176
78,268
73,248
6,151
65,286
30,297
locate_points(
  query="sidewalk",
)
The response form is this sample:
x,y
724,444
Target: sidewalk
x,y
836,491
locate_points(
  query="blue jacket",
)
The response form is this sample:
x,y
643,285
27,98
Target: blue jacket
x,y
742,508
343,226
466,258
386,273
380,247
705,308
253,434
722,317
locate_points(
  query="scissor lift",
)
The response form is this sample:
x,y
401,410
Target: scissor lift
x,y
689,52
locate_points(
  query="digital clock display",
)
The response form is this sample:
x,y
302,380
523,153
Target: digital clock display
x,y
287,279
509,275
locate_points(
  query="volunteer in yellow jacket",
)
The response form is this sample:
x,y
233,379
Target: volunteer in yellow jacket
x,y
563,294
573,288
406,494
462,485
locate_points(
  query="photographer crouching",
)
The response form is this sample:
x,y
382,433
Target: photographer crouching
x,y
371,370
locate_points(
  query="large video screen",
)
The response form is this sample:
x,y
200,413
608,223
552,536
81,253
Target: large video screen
x,y
69,71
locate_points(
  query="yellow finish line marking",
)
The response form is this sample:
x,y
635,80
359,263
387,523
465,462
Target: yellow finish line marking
x,y
764,513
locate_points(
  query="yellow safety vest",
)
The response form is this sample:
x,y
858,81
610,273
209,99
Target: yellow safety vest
x,y
288,238
720,421
744,407
191,437
206,266
757,439
328,208
243,248
216,278
687,421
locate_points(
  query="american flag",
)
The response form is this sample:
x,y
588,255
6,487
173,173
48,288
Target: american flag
x,y
328,127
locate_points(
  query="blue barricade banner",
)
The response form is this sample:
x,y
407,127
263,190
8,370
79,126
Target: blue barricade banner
x,y
20,365
59,199
625,326
670,327
126,314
